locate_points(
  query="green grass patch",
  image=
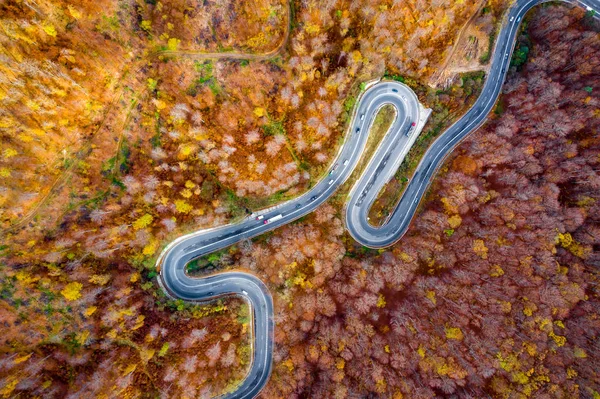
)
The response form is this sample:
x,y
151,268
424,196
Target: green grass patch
x,y
243,315
204,77
397,78
500,106
273,128
349,103
209,262
520,56
523,46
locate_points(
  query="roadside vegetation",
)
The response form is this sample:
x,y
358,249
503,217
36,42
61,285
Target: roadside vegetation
x,y
448,106
108,153
217,261
522,46
380,126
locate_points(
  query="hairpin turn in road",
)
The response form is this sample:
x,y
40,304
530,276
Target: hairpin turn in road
x,y
387,158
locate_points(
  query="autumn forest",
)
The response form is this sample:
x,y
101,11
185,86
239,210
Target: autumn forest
x,y
125,124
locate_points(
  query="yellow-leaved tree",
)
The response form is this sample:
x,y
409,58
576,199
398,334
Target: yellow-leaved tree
x,y
72,291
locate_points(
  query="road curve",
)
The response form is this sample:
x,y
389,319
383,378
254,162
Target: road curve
x,y
236,55
398,222
173,259
389,155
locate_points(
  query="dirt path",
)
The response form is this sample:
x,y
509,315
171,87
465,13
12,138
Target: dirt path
x,y
234,55
438,75
84,150
64,176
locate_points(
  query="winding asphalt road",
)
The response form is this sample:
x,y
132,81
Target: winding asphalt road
x,y
398,222
387,158
173,259
389,154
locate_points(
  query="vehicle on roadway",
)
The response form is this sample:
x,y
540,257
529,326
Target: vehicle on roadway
x,y
330,181
410,129
512,19
395,90
171,264
298,206
273,219
362,117
357,129
345,162
260,217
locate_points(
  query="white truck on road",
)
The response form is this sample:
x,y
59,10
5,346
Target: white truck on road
x,y
273,219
